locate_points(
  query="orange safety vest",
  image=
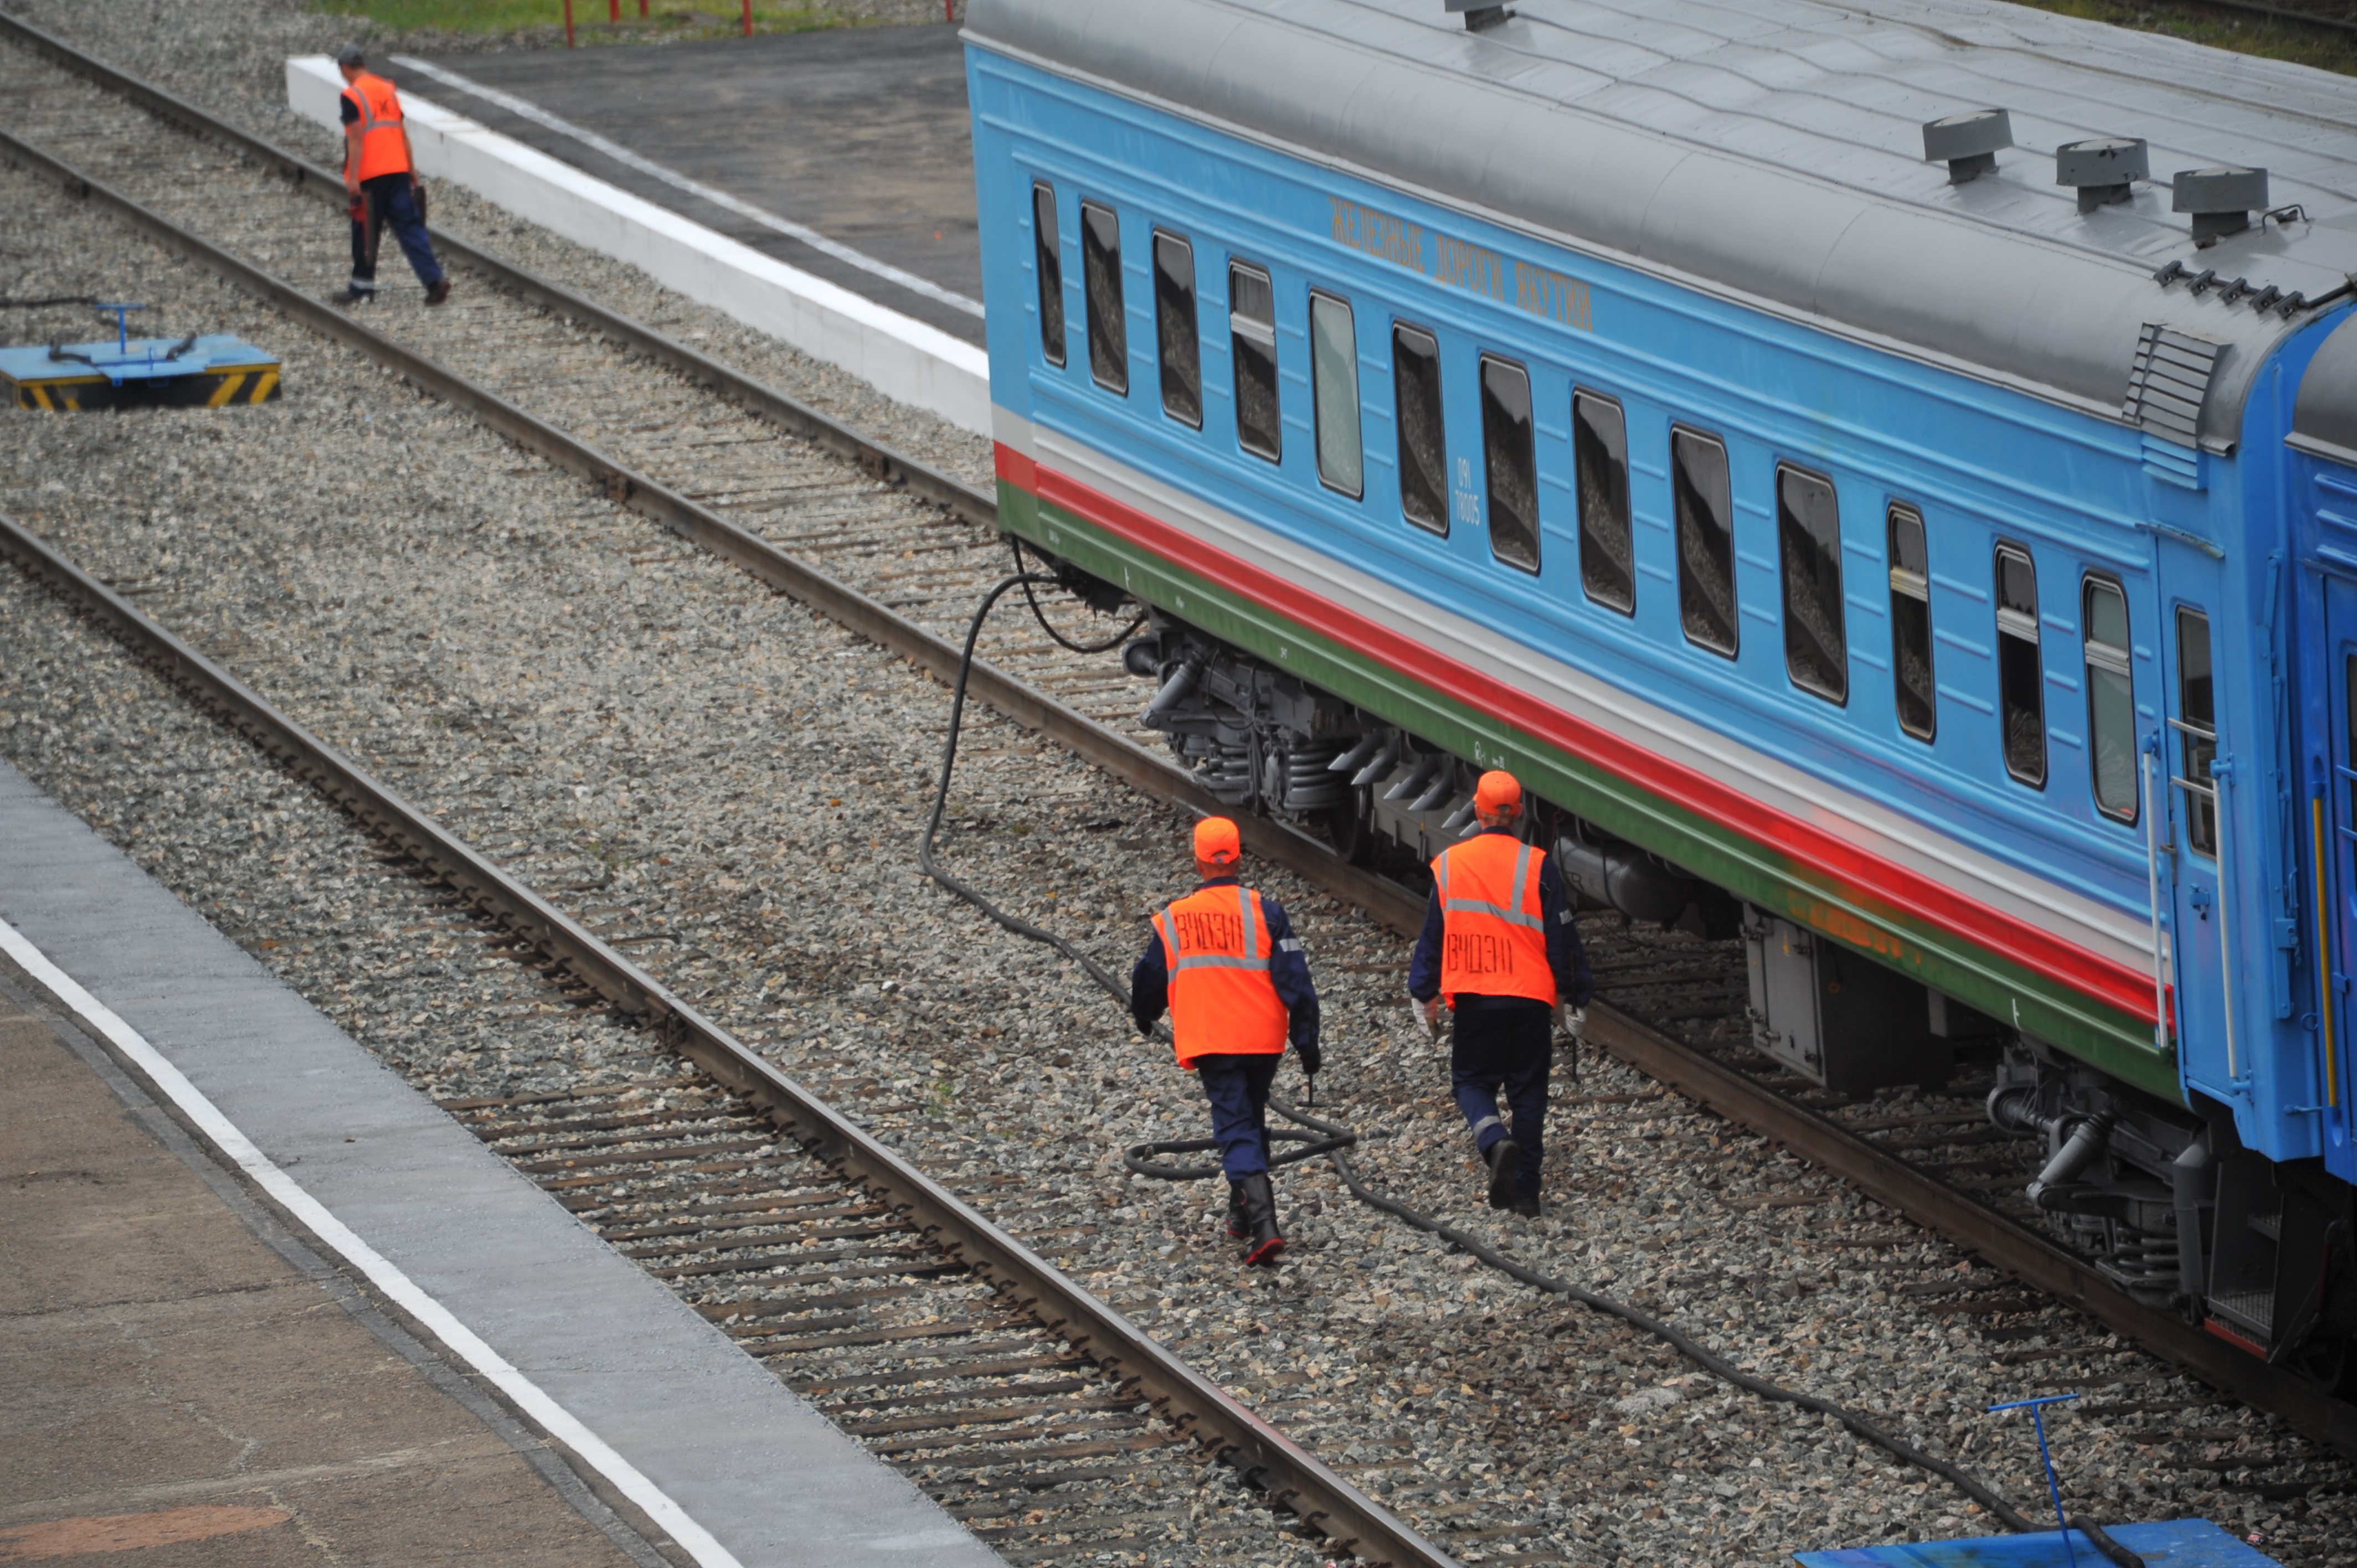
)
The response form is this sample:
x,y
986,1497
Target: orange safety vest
x,y
1493,939
384,148
1216,944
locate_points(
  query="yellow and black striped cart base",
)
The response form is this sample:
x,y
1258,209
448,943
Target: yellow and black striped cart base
x,y
81,377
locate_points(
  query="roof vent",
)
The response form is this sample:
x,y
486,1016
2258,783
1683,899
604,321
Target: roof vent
x,y
2101,168
1967,143
1481,15
2220,199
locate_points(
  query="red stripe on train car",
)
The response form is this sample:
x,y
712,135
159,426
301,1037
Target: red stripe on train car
x,y
2125,989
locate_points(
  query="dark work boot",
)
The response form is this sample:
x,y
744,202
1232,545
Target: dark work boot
x,y
1239,1227
438,291
1528,1208
1505,1162
1259,1213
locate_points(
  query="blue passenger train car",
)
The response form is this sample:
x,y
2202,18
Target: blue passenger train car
x,y
1876,502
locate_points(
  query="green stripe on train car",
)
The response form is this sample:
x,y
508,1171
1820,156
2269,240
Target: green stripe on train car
x,y
1980,977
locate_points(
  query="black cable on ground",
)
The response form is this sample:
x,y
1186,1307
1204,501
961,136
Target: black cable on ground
x,y
1020,927
43,303
1331,1139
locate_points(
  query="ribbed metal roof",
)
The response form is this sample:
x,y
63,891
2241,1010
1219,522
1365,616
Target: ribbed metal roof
x,y
1773,150
2327,410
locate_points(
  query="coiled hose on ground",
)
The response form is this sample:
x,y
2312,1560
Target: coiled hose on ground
x,y
1319,1137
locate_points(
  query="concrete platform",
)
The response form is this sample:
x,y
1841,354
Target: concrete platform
x,y
169,1378
859,133
694,1434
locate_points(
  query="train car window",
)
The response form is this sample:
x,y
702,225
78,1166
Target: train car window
x,y
1049,262
2197,731
2020,682
1706,522
1509,457
1252,330
1599,456
2111,699
1174,329
1334,388
1422,443
1101,275
1910,623
1808,537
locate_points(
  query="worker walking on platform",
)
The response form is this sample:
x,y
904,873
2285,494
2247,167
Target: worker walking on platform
x,y
1226,963
1500,947
381,177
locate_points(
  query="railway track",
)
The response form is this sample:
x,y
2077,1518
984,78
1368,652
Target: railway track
x,y
934,1334
866,527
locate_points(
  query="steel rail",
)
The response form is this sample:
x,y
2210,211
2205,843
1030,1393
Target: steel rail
x,y
756,396
1922,1196
1290,1477
1018,700
1907,1188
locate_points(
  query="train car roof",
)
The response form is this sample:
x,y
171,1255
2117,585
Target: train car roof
x,y
1773,151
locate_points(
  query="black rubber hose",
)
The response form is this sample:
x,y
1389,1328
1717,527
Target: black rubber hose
x,y
1332,1139
1019,926
1040,614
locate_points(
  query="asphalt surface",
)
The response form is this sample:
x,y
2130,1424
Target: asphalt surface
x,y
858,132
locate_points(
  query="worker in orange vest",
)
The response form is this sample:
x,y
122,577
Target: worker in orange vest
x,y
1225,961
383,179
1500,947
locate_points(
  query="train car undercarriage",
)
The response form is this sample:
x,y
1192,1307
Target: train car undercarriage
x,y
2126,1175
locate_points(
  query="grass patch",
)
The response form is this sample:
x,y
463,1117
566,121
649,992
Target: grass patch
x,y
2302,43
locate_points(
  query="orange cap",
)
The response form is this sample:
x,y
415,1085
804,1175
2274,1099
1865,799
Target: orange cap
x,y
1497,791
1216,842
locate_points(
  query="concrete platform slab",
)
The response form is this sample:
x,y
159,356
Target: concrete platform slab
x,y
858,134
170,1383
686,1426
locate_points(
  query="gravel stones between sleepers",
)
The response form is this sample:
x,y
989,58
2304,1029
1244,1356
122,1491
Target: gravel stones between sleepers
x,y
229,56
662,743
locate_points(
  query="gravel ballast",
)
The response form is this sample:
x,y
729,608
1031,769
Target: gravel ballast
x,y
705,769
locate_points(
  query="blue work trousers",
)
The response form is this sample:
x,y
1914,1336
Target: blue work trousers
x,y
388,201
1237,1087
1504,1044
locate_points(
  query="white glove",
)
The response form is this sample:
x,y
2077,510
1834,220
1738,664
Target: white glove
x,y
1573,1019
1426,1023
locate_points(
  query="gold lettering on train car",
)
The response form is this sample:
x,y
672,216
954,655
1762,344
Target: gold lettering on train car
x,y
1395,240
1550,293
1839,923
1474,268
1461,263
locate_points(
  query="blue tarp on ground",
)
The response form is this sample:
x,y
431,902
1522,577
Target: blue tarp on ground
x,y
2177,1544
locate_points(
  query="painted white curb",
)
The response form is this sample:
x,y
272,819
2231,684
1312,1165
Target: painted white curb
x,y
464,1342
901,356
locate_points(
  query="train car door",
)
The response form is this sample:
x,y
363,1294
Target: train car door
x,y
2201,924
2332,835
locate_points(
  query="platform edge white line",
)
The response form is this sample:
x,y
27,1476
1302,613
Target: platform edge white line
x,y
908,360
380,1272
